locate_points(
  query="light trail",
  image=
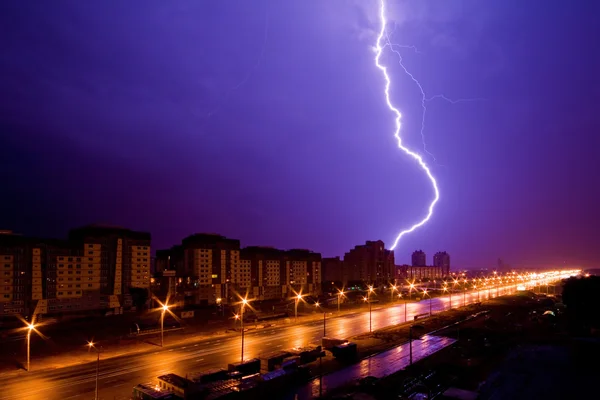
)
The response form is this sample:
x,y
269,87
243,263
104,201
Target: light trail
x,y
379,51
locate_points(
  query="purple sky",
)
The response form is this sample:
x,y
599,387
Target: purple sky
x,y
265,121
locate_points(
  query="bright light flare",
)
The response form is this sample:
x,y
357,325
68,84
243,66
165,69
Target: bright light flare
x,y
379,51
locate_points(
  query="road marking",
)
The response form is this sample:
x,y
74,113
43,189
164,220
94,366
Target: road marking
x,y
195,345
269,343
200,359
183,348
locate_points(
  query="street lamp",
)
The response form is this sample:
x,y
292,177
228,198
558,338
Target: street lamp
x,y
298,298
366,299
92,345
30,328
392,290
427,294
324,316
410,289
235,318
400,296
340,294
244,303
371,290
445,289
165,307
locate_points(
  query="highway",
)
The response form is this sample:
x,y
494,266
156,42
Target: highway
x,y
118,375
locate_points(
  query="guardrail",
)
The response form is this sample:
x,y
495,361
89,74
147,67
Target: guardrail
x,y
152,331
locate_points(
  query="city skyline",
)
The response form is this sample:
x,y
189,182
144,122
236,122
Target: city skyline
x,y
274,133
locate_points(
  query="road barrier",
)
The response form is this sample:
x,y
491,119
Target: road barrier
x,y
152,331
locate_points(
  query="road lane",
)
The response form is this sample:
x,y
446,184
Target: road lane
x,y
119,374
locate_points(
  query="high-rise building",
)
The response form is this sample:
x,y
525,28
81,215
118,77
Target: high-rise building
x,y
303,271
96,269
419,259
441,259
267,272
212,268
370,263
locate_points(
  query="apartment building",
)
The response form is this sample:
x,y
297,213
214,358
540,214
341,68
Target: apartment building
x,y
370,263
95,269
419,258
303,271
441,259
212,268
267,269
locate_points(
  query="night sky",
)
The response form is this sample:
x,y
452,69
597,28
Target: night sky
x,y
265,121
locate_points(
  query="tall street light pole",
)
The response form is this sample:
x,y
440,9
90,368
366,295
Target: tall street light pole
x,y
93,346
324,317
392,290
425,293
162,323
370,313
298,298
340,294
244,303
30,328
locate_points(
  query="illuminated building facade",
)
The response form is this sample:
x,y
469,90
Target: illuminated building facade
x,y
370,263
212,268
94,270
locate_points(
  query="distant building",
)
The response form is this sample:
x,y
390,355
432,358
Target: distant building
x,y
334,273
441,259
96,269
370,263
214,269
267,272
419,259
411,273
303,271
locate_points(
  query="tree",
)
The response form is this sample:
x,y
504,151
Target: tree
x,y
139,297
581,296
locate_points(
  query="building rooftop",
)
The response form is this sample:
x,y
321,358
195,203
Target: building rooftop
x,y
175,380
153,391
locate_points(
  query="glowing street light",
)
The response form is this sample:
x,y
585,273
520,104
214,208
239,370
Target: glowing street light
x,y
400,296
392,290
30,328
244,303
445,289
164,309
92,345
317,305
298,298
425,293
410,289
367,300
340,294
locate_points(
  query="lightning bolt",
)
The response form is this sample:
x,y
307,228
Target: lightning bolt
x,y
379,51
424,98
